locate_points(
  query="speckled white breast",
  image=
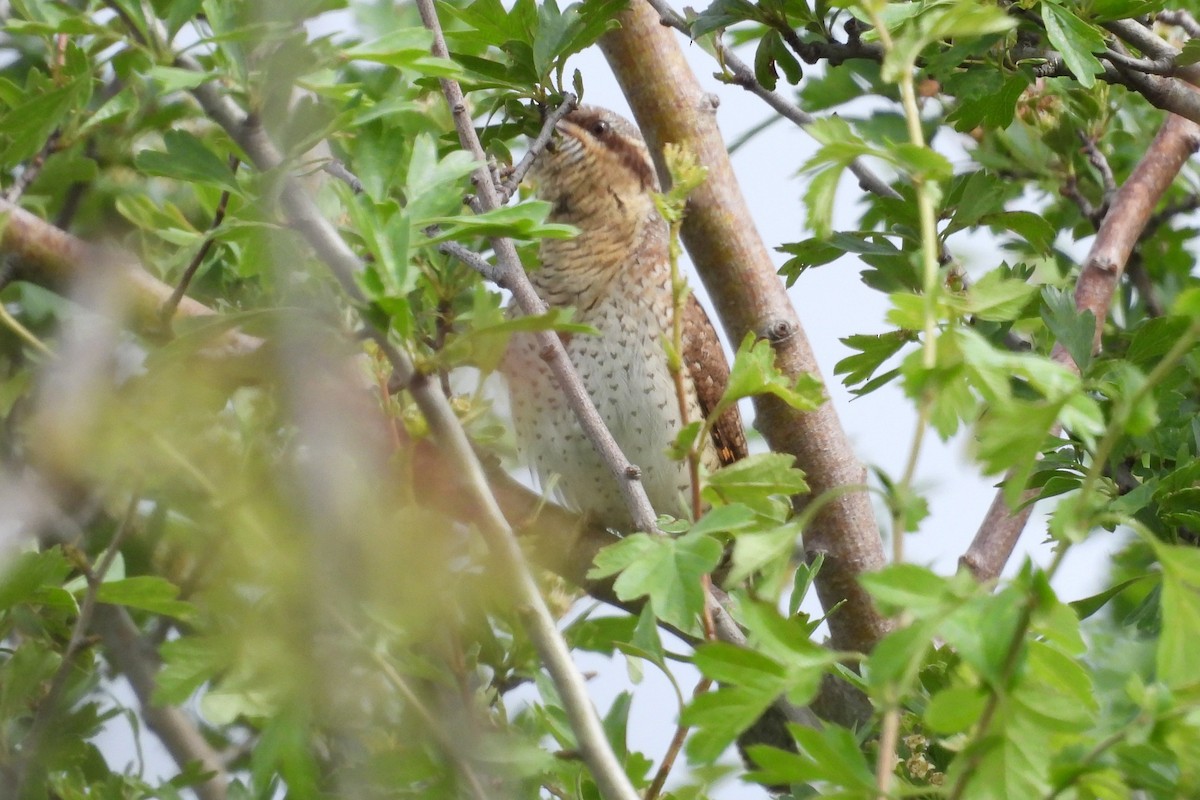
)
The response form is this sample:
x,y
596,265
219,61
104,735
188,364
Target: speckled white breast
x,y
625,371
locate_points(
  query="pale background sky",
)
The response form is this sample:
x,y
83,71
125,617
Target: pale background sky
x,y
832,303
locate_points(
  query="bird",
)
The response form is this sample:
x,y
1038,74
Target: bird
x,y
597,175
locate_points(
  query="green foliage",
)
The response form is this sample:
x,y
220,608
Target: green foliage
x,y
262,546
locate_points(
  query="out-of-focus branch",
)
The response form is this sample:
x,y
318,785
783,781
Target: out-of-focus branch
x,y
138,662
50,256
304,214
735,265
1131,209
1181,19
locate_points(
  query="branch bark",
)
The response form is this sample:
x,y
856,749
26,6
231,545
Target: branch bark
x,y
56,258
138,662
734,263
1131,210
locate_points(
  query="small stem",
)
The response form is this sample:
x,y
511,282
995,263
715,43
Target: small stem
x,y
925,210
168,308
664,769
903,489
13,324
1007,671
885,763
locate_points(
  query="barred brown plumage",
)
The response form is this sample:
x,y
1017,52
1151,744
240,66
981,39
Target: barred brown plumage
x,y
598,176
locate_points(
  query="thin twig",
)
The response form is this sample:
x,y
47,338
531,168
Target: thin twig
x,y
33,168
337,169
1151,66
172,303
509,185
885,761
1181,19
743,76
489,271
681,731
1098,160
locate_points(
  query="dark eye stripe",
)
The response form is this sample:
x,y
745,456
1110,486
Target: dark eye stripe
x,y
630,155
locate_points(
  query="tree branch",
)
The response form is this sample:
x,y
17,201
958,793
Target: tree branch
x,y
1131,210
743,76
509,186
734,263
138,661
55,258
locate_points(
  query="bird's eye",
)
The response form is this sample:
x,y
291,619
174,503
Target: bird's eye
x,y
600,127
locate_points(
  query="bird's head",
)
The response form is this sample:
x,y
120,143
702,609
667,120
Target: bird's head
x,y
596,170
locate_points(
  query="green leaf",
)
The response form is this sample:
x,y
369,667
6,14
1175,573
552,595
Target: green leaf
x,y
1175,662
998,298
819,197
1076,40
741,666
755,551
831,755
147,592
955,709
1009,437
874,350
1153,338
1087,606
719,717
27,572
646,639
187,159
36,115
408,49
908,587
735,518
666,570
754,373
1033,228
1072,330
755,478
177,79
189,662
522,221
986,97
1189,53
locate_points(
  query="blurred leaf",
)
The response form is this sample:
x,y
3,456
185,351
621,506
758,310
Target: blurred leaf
x,y
1075,40
187,159
147,592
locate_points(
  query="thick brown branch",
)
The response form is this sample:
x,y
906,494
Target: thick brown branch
x,y
737,269
52,257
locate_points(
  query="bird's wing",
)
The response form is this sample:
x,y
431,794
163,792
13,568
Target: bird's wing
x,y
705,361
